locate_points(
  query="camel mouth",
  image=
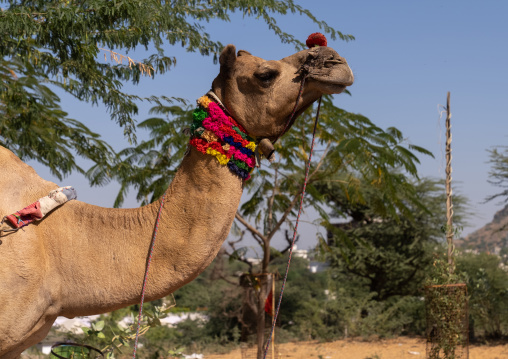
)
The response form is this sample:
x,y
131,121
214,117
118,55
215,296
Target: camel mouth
x,y
329,86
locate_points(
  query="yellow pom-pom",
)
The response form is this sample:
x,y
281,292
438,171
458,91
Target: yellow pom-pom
x,y
251,146
223,159
204,101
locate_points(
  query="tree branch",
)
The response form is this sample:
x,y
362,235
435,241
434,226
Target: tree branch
x,y
251,229
270,202
244,260
228,281
295,199
290,242
284,216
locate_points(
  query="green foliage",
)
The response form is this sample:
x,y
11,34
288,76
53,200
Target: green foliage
x,y
150,166
348,147
498,175
176,353
218,300
68,350
487,283
113,338
33,125
391,252
95,330
324,306
446,309
384,245
440,273
332,305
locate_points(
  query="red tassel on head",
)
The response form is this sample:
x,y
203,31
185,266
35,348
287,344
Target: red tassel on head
x,y
316,39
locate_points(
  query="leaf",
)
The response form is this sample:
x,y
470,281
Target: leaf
x,y
238,254
155,322
98,325
275,253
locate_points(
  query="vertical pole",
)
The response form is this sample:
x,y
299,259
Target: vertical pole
x,y
449,204
262,295
273,315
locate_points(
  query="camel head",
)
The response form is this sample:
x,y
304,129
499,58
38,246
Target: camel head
x,y
261,94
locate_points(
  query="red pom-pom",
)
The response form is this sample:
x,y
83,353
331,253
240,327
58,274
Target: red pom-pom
x,y
316,39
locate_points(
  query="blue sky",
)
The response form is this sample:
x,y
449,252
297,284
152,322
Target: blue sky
x,y
405,58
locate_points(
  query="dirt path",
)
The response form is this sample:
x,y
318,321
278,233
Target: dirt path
x,y
401,348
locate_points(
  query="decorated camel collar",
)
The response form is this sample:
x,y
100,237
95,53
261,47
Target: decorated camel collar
x,y
215,133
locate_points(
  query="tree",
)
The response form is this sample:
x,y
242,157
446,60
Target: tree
x,y
391,251
61,44
499,172
487,283
349,148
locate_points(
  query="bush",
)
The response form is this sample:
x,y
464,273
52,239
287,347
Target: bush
x,y
487,285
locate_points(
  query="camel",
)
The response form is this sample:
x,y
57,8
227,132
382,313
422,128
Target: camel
x,y
83,259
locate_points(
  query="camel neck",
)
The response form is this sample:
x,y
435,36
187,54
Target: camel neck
x,y
196,218
198,212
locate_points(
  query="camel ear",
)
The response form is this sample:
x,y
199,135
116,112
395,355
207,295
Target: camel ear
x,y
227,59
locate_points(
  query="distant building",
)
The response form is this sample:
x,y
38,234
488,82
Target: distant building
x,y
300,253
253,261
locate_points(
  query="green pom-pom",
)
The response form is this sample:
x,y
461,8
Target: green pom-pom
x,y
241,165
243,135
199,114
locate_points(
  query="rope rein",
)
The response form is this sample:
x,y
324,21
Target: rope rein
x,y
294,232
152,245
291,117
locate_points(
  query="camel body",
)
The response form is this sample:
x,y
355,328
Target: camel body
x,y
84,259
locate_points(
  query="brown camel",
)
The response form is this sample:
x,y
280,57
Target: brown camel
x,y
84,259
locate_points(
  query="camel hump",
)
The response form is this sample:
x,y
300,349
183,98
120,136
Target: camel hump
x,y
19,183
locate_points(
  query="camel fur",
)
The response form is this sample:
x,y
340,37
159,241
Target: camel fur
x,y
84,259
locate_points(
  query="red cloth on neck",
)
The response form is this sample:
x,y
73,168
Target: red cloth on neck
x,y
26,215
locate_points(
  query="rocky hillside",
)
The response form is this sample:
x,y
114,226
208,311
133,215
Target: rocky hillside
x,y
492,237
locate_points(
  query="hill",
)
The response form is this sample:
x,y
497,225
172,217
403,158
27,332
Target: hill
x,y
490,238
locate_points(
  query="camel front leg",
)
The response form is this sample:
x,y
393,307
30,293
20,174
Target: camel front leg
x,y
38,333
22,341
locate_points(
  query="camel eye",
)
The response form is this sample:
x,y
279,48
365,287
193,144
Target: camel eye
x,y
267,75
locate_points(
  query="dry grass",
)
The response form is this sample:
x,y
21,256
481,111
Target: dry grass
x,y
400,348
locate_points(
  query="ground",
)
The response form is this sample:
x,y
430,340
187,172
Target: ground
x,y
400,348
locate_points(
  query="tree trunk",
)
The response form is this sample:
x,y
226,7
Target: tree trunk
x,y
261,323
264,288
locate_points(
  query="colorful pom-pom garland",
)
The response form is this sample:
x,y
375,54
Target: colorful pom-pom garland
x,y
219,135
316,39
